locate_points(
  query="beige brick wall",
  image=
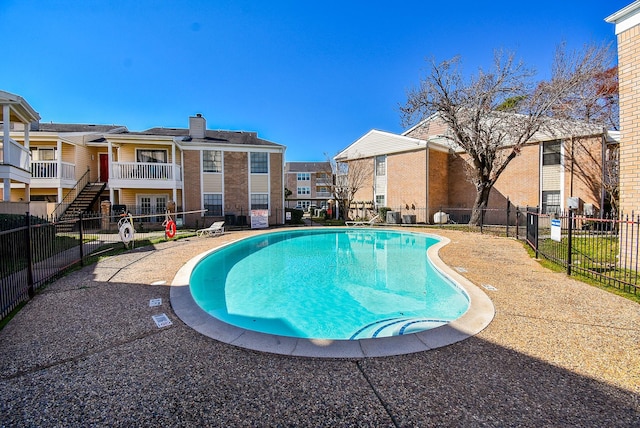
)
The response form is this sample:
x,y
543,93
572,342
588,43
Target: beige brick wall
x,y
365,192
192,189
629,80
276,171
236,174
520,181
583,178
438,181
406,179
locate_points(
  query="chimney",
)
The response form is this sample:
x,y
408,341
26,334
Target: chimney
x,y
197,126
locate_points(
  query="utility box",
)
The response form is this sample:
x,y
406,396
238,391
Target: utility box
x,y
393,217
441,218
574,203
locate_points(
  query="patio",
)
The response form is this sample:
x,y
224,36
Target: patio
x,y
85,351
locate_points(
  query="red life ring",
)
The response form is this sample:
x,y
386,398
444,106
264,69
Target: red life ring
x,y
171,229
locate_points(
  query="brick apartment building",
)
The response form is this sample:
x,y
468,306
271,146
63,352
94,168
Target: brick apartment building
x,y
421,172
310,184
226,173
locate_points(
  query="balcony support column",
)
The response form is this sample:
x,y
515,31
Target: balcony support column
x,y
173,172
6,192
6,130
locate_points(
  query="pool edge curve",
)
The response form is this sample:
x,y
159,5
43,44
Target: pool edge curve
x,y
477,317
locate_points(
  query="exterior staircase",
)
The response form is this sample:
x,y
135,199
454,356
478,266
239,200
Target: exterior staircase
x,y
81,204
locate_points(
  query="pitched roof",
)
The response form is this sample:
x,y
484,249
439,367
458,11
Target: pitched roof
x,y
77,127
211,136
376,143
21,111
307,167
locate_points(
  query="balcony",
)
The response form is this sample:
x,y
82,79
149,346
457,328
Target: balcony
x,y
148,175
324,181
14,161
323,194
52,174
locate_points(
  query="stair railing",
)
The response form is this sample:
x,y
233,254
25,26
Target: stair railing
x,y
71,196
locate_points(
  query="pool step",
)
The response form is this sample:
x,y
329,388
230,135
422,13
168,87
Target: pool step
x,y
396,327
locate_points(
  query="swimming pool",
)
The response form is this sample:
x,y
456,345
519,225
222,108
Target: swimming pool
x,y
328,283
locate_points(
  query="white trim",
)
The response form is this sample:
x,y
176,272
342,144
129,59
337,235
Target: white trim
x,y
625,18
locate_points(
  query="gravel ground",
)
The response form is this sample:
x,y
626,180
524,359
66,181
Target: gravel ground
x,y
86,352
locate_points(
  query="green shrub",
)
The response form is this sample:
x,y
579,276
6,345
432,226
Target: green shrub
x,y
383,212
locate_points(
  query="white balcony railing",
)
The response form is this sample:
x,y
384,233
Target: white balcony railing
x,y
323,194
49,169
18,155
146,171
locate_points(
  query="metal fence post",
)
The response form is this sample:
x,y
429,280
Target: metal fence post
x,y
81,241
508,206
31,289
517,223
569,243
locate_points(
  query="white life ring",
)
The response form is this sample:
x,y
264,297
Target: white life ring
x,y
126,232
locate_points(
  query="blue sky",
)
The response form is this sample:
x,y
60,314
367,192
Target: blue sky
x,y
311,75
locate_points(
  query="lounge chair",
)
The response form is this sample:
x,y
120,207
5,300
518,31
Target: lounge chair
x,y
215,229
370,222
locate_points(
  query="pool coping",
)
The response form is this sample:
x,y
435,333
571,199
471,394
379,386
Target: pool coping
x,y
480,313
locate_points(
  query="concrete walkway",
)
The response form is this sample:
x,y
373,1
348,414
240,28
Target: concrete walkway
x,y
86,351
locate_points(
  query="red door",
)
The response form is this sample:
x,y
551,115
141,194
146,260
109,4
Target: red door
x,y
104,167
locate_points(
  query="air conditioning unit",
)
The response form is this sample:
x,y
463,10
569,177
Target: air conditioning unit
x,y
393,217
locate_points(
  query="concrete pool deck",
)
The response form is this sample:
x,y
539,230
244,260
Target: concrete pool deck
x,y
86,351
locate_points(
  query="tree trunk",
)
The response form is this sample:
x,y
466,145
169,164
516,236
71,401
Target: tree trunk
x,y
480,203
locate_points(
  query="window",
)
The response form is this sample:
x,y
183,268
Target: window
x,y
381,165
304,190
259,163
213,204
43,154
380,200
212,161
151,156
551,202
551,153
304,176
259,201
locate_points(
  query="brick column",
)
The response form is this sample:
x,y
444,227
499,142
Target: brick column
x,y
105,211
629,79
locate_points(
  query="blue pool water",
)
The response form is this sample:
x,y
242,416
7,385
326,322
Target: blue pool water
x,y
328,284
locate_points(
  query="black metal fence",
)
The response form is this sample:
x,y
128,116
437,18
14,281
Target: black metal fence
x,y
605,250
33,251
508,221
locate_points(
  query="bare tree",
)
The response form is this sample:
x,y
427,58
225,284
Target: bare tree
x,y
350,177
493,113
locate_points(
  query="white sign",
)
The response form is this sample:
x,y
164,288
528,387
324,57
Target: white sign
x,y
162,320
288,216
556,229
259,219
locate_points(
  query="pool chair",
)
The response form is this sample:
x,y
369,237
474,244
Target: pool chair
x,y
215,229
363,222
